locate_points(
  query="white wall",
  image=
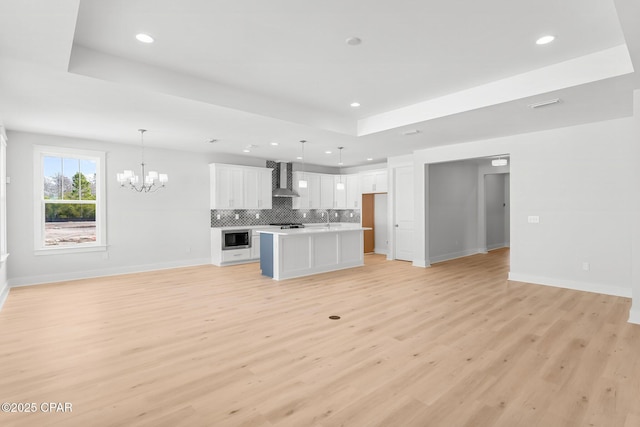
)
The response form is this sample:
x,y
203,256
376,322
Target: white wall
x,y
380,223
453,210
579,181
634,155
4,286
165,229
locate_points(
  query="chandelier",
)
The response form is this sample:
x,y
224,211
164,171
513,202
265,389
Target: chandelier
x,y
152,181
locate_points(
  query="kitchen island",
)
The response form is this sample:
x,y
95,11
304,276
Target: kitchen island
x,y
289,253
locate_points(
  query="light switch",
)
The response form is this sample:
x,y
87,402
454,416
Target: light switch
x,y
533,219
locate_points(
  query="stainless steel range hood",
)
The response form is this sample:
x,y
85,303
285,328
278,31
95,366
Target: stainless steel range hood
x,y
282,190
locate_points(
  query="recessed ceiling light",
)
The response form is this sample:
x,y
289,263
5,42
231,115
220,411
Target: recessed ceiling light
x,y
299,158
353,41
144,38
369,159
355,104
246,150
545,40
274,143
327,152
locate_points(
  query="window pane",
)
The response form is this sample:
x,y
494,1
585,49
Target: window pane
x,y
69,224
53,178
70,169
88,169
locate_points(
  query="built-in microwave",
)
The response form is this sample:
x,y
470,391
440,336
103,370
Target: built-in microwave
x,y
236,239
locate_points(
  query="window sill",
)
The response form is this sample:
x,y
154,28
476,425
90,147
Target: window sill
x,y
72,250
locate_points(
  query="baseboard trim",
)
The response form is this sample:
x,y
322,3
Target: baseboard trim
x,y
634,316
52,278
454,255
497,246
4,293
571,284
421,263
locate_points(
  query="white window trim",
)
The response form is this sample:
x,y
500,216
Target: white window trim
x,y
41,151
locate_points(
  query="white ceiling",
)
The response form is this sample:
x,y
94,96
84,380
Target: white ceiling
x,y
251,72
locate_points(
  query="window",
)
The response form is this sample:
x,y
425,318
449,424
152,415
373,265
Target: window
x,y
69,208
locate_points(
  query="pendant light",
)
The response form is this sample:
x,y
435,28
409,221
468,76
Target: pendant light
x,y
148,183
302,183
340,184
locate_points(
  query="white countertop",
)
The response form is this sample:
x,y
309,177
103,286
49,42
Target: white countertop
x,y
276,227
334,228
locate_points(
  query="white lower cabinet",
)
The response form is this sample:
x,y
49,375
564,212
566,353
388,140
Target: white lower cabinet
x,y
234,255
255,246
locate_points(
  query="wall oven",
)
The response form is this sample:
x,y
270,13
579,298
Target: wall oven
x,y
236,239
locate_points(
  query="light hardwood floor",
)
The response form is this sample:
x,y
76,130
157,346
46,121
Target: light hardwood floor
x,y
452,345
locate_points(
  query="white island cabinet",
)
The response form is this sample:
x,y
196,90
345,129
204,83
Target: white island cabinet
x,y
285,254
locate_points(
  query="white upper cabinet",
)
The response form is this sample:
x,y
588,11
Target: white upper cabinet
x,y
327,188
301,202
309,196
322,191
353,193
313,181
240,187
373,181
226,186
257,188
340,193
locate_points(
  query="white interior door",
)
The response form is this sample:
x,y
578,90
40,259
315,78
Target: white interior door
x,y
403,213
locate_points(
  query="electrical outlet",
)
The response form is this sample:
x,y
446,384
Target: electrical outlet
x,y
351,215
533,219
237,216
322,214
586,266
336,214
304,215
218,216
257,216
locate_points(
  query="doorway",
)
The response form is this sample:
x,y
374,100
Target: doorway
x,y
374,216
496,198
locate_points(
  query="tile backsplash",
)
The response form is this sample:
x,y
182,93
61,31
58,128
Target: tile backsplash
x,y
281,210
